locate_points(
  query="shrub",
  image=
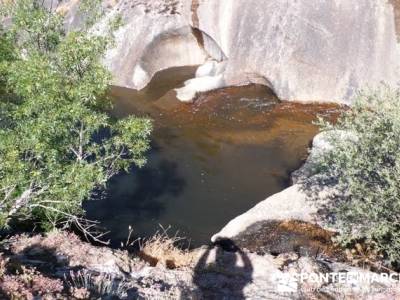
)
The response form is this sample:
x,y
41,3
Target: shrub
x,y
57,142
162,249
365,165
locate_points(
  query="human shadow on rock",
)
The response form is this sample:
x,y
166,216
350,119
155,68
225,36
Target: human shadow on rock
x,y
224,276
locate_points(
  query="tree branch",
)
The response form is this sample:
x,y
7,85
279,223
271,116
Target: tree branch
x,y
83,225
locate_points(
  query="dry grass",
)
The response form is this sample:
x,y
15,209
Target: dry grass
x,y
162,249
84,284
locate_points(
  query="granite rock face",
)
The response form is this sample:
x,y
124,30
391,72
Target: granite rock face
x,y
304,50
157,35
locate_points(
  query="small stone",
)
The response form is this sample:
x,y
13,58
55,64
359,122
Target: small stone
x,y
286,258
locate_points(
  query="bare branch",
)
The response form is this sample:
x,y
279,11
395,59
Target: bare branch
x,y
75,152
20,202
81,132
87,227
23,200
7,192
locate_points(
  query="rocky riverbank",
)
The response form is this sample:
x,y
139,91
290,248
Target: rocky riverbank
x,y
303,201
304,51
60,266
262,259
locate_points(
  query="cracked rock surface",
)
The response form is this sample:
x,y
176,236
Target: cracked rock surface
x,y
304,50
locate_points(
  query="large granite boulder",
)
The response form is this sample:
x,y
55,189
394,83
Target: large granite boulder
x,y
304,50
157,35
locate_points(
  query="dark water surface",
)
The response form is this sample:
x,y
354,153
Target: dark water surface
x,y
210,161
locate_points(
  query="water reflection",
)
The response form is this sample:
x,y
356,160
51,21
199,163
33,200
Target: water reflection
x,y
211,160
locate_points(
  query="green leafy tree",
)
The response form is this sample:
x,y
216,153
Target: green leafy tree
x,y
365,163
57,142
6,55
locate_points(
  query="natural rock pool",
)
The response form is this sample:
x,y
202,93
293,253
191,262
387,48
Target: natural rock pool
x,y
210,161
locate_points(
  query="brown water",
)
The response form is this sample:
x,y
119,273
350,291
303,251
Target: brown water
x,y
210,161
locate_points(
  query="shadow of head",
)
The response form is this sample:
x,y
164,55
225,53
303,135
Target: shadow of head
x,y
227,245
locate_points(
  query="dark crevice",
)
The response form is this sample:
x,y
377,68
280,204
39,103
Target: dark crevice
x,y
396,10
